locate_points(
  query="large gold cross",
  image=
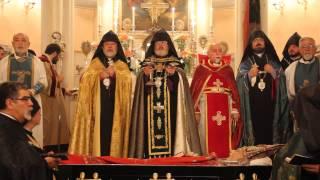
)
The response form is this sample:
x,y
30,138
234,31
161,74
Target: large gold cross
x,y
154,7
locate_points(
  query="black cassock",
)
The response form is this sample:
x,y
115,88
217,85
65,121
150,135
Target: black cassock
x,y
262,105
18,159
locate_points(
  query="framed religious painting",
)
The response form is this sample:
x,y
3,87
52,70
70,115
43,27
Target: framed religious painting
x,y
142,15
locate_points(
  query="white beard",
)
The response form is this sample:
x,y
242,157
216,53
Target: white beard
x,y
161,53
307,57
27,116
110,54
217,60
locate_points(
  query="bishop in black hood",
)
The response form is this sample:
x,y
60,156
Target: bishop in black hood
x,y
269,49
110,36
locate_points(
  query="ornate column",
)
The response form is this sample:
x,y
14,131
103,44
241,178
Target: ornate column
x,y
57,16
264,15
239,15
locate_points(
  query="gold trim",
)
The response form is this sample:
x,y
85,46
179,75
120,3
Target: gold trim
x,y
206,124
169,117
167,120
162,60
223,66
220,90
150,140
202,90
230,123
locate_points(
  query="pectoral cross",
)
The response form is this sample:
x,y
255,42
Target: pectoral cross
x,y
110,62
158,107
218,83
158,84
155,8
219,118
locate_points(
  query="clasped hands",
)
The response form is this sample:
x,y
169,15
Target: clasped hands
x,y
107,72
254,70
170,70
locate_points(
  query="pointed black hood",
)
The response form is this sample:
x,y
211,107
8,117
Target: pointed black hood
x,y
269,49
161,35
110,36
294,39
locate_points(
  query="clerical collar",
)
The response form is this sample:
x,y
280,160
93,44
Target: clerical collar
x,y
303,61
9,116
259,54
19,57
214,64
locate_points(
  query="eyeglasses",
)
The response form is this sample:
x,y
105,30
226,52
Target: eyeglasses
x,y
24,98
307,47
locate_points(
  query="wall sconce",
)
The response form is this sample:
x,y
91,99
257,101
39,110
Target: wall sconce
x,y
28,5
3,2
303,3
279,5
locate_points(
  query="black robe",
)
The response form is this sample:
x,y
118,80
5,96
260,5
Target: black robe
x,y
106,115
18,159
172,83
262,113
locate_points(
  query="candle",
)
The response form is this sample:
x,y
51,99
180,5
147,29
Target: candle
x,y
133,18
172,13
116,13
99,16
211,19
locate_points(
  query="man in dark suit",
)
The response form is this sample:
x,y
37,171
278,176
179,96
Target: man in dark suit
x,y
18,159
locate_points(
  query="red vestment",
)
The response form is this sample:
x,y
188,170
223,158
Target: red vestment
x,y
215,97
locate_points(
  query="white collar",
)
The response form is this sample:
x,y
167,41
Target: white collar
x,y
18,57
307,62
259,54
9,116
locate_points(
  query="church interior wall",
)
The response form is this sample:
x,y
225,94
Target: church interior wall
x,y
85,26
15,18
224,27
294,18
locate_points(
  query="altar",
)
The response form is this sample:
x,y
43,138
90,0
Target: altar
x,y
129,171
185,167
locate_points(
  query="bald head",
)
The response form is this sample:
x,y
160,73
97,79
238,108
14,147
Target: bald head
x,y
215,52
20,43
307,48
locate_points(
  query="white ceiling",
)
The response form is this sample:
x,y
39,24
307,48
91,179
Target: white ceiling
x,y
216,3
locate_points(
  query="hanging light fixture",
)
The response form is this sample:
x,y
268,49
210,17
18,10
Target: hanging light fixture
x,y
303,3
279,5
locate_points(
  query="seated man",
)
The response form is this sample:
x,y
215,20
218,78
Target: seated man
x,y
18,160
52,162
306,141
